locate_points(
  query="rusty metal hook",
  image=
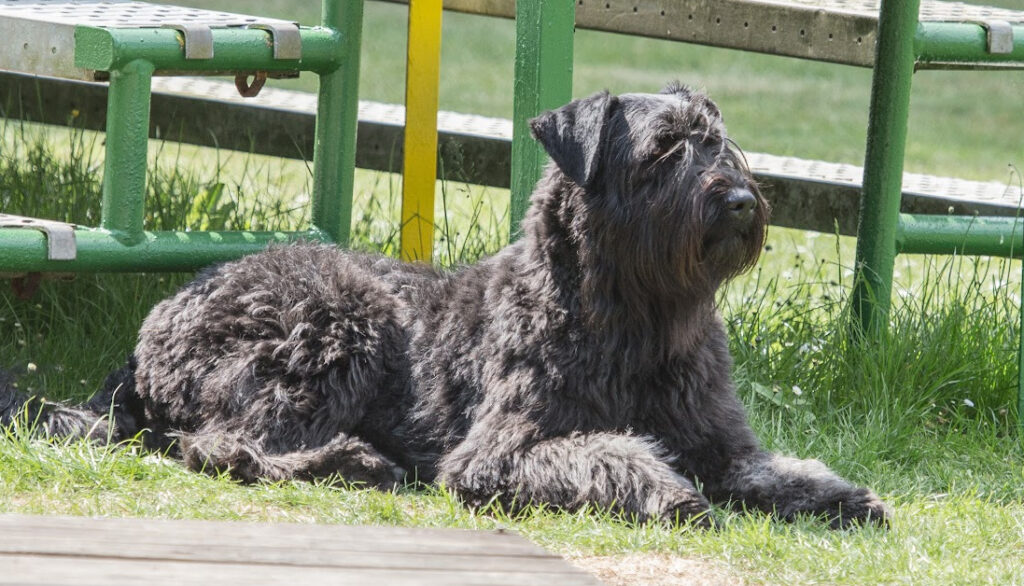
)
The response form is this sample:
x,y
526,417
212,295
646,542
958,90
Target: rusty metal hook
x,y
247,90
25,287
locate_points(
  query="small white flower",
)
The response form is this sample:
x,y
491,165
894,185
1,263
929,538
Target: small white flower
x,y
32,367
969,402
797,390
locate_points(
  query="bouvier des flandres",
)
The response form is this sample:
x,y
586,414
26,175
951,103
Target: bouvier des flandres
x,y
584,364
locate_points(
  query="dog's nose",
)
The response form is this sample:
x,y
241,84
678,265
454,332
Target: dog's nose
x,y
741,204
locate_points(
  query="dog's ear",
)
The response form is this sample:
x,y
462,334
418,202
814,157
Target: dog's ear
x,y
677,88
575,134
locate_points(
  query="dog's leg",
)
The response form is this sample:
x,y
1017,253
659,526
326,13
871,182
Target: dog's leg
x,y
355,460
627,474
733,468
789,486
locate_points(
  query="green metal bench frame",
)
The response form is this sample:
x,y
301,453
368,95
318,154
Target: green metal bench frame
x,y
883,232
131,56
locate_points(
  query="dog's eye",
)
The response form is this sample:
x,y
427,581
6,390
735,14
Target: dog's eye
x,y
668,150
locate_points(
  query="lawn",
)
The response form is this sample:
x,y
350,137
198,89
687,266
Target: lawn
x,y
924,415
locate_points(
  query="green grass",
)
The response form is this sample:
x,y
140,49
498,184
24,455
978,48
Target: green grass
x,y
925,415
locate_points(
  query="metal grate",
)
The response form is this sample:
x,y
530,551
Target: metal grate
x,y
388,114
805,194
931,11
122,14
990,192
835,31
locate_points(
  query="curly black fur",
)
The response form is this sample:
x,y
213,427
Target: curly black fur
x,y
584,364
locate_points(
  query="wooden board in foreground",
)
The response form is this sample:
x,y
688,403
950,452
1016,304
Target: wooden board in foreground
x,y
83,551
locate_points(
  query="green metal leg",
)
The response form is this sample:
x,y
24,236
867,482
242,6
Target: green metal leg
x,y
883,165
334,153
543,80
124,175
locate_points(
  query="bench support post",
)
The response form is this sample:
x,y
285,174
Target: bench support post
x,y
883,164
334,152
124,174
419,161
543,80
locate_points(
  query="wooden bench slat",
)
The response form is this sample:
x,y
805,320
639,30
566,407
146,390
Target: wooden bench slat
x,y
280,552
102,550
60,570
361,538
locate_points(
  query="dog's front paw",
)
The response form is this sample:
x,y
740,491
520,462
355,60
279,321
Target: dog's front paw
x,y
691,509
861,508
384,476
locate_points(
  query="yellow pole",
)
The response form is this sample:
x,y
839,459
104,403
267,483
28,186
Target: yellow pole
x,y
419,170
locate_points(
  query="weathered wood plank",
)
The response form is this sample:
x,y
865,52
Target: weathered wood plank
x,y
59,550
31,570
351,538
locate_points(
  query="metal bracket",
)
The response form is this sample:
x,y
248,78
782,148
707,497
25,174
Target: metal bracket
x,y
286,37
60,237
198,39
999,34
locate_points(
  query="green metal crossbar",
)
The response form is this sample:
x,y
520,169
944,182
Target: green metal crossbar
x,y
129,57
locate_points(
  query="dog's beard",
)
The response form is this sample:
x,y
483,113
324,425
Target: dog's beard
x,y
731,255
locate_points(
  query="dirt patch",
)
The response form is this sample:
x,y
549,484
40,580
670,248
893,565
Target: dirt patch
x,y
657,570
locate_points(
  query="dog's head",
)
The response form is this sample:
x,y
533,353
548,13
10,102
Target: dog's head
x,y
653,185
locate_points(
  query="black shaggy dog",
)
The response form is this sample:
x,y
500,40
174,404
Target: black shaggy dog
x,y
584,364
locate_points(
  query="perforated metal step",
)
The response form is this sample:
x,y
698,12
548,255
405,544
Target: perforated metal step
x,y
837,31
805,194
38,35
822,196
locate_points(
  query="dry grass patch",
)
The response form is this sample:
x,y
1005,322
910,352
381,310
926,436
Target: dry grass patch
x,y
652,569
